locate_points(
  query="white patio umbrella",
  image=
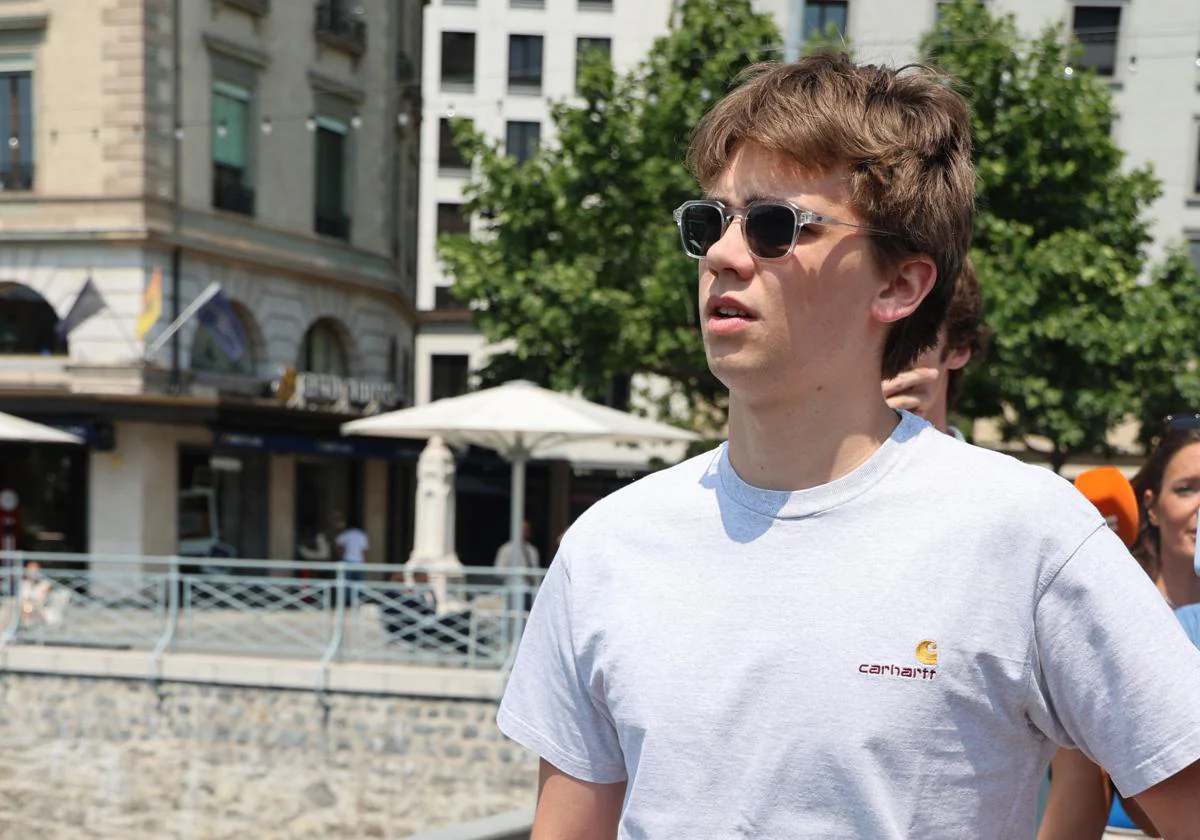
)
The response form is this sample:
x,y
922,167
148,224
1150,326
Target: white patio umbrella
x,y
520,421
18,428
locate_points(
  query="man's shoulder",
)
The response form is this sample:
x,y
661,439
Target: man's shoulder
x,y
965,476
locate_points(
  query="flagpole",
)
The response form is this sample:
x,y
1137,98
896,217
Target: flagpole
x,y
204,297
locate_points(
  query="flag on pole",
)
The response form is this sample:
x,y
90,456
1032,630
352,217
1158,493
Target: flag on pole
x,y
223,325
151,305
87,303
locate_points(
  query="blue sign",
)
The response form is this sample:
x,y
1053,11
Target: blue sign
x,y
311,445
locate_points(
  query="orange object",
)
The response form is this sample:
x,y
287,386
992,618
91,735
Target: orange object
x,y
1113,496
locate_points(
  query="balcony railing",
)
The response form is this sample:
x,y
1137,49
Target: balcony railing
x,y
258,8
18,178
335,225
229,193
317,611
339,29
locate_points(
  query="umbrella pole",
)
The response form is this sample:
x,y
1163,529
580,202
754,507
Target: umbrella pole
x,y
516,583
516,514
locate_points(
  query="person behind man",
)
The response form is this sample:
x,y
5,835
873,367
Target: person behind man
x,y
527,558
35,592
351,544
931,386
767,640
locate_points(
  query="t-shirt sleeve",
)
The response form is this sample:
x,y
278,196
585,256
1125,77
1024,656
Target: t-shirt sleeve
x,y
1114,672
553,705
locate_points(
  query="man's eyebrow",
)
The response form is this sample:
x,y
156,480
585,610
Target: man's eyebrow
x,y
749,199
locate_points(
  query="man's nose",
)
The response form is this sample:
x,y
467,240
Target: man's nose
x,y
729,253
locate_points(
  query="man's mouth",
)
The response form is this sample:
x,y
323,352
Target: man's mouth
x,y
730,312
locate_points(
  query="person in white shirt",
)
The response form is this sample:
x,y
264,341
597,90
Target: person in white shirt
x,y
841,623
352,544
527,558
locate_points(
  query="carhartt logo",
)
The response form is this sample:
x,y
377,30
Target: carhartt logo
x,y
927,652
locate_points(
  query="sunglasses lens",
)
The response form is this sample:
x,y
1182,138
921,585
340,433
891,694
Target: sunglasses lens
x,y
770,230
700,227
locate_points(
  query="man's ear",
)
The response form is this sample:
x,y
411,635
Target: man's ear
x,y
907,285
957,359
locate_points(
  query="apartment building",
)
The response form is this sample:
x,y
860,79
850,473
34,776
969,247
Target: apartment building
x,y
157,147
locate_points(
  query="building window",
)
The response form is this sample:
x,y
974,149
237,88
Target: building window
x,y
1196,160
525,63
443,298
449,155
16,129
458,60
449,376
223,503
339,26
452,220
323,350
586,46
232,185
521,139
1096,29
28,323
331,218
825,17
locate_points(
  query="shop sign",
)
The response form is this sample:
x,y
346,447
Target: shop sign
x,y
312,445
339,393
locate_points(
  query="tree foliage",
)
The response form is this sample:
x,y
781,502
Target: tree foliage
x,y
1061,239
579,265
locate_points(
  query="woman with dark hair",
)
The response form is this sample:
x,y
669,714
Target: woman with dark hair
x,y
1168,489
1168,494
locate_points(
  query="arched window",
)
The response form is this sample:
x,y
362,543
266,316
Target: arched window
x,y
323,349
27,323
208,354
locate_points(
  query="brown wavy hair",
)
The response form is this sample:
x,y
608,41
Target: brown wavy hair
x,y
902,135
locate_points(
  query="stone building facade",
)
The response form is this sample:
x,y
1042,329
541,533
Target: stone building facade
x,y
167,145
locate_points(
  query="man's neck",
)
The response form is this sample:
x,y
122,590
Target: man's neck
x,y
794,444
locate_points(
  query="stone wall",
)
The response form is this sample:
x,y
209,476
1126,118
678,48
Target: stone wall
x,y
112,758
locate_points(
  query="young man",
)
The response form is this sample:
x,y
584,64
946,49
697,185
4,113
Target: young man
x,y
842,623
930,388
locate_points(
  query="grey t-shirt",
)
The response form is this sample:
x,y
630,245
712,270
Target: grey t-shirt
x,y
895,654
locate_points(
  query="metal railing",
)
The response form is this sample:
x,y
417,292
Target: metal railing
x,y
326,612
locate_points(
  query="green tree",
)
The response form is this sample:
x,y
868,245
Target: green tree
x,y
1167,346
579,265
1061,238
